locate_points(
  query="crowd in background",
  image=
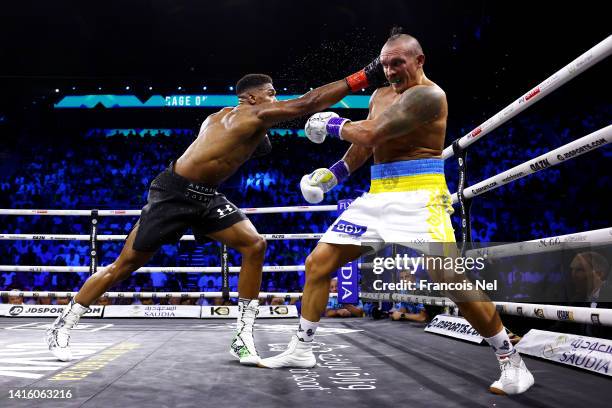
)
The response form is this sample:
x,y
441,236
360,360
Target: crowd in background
x,y
114,172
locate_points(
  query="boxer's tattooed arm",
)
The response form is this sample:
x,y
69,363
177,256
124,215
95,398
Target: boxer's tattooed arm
x,y
417,106
356,156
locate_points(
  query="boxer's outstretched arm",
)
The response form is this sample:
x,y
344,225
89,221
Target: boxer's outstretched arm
x,y
316,100
418,106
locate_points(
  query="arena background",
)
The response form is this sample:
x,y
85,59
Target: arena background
x,y
484,54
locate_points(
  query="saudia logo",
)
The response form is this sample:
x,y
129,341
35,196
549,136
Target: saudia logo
x,y
346,227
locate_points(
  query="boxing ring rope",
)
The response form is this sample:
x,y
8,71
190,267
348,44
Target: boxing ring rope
x,y
146,295
596,54
68,237
585,315
108,213
549,244
148,269
568,151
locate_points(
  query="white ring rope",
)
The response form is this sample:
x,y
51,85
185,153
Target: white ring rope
x,y
68,237
535,246
585,315
158,295
107,213
575,240
147,269
571,70
568,151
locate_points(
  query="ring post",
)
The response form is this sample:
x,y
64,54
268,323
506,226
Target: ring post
x,y
465,205
224,273
93,243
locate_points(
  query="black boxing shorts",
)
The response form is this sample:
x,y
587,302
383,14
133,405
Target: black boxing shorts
x,y
175,204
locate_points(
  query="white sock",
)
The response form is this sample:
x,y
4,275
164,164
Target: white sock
x,y
247,311
307,329
501,344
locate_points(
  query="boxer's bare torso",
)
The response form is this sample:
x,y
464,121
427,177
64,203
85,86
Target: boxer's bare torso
x,y
227,139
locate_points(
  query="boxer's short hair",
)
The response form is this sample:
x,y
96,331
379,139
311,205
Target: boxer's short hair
x,y
251,81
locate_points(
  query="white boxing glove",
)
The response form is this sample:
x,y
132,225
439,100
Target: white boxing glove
x,y
322,124
316,184
312,194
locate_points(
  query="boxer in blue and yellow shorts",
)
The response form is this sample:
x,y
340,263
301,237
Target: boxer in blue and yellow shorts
x,y
408,199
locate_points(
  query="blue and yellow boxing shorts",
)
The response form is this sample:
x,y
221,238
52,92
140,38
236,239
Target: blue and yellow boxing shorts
x,y
408,202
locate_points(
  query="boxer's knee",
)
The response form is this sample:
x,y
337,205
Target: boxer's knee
x,y
317,270
118,271
255,249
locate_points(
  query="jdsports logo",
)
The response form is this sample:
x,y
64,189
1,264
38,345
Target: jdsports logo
x,y
345,227
226,211
19,309
16,310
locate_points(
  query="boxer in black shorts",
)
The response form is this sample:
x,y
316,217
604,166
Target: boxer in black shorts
x,y
175,204
185,195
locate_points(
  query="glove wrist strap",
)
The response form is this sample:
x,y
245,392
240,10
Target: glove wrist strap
x,y
357,81
341,170
334,126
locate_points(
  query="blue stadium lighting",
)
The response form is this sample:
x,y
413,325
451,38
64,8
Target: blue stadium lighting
x,y
179,87
127,88
204,88
284,89
231,88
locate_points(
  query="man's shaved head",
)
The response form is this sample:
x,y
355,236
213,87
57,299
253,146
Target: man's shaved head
x,y
402,60
408,42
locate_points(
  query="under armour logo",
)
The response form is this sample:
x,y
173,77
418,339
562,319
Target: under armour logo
x,y
225,211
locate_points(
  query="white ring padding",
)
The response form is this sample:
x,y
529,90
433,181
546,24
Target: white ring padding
x,y
571,70
158,295
69,237
147,269
568,151
107,213
585,315
536,246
